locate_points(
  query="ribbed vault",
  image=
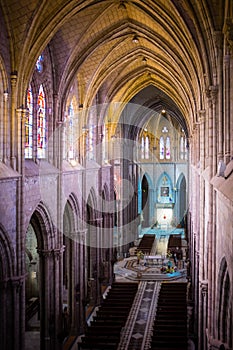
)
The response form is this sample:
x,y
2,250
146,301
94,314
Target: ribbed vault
x,y
92,42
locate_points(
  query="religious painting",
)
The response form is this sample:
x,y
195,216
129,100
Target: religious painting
x,y
164,191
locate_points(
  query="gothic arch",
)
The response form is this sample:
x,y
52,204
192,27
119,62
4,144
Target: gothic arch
x,y
6,256
181,198
48,253
146,200
42,224
71,238
73,210
91,205
224,305
6,292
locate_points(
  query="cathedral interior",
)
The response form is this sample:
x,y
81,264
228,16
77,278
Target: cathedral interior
x,y
116,174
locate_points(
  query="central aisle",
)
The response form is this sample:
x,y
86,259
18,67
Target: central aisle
x,y
138,329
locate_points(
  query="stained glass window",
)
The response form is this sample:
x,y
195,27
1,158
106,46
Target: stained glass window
x,y
28,124
41,124
161,148
147,147
39,63
142,148
182,147
168,148
71,131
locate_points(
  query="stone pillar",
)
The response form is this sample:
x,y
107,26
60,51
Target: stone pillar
x,y
13,135
204,302
55,321
219,110
93,283
6,129
81,293
45,300
227,109
211,236
18,312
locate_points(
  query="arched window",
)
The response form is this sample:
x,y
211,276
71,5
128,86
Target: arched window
x,y
70,140
147,145
28,124
91,139
41,124
161,148
168,148
39,63
142,148
182,147
105,144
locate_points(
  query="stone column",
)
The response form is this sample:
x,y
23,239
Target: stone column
x,y
6,128
13,119
81,280
18,312
219,110
204,302
56,311
81,293
45,301
227,109
211,207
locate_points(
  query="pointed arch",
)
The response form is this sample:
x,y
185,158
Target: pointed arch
x,y
165,191
181,198
224,304
146,200
7,265
73,210
6,256
92,205
43,226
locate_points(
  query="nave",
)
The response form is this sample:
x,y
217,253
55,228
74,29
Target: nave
x,y
156,307
157,320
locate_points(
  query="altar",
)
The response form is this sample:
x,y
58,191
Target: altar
x,y
151,260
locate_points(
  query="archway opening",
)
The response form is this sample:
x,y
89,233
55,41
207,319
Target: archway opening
x,y
145,202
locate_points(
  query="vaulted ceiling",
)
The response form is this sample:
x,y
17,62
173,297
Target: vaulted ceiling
x,y
117,49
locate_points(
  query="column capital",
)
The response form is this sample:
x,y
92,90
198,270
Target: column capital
x,y
44,253
212,93
17,282
58,252
229,32
218,39
201,116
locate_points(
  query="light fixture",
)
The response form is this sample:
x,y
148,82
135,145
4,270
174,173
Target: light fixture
x,y
135,39
163,111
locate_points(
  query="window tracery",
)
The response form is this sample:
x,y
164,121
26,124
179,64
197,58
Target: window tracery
x,y
29,125
41,124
